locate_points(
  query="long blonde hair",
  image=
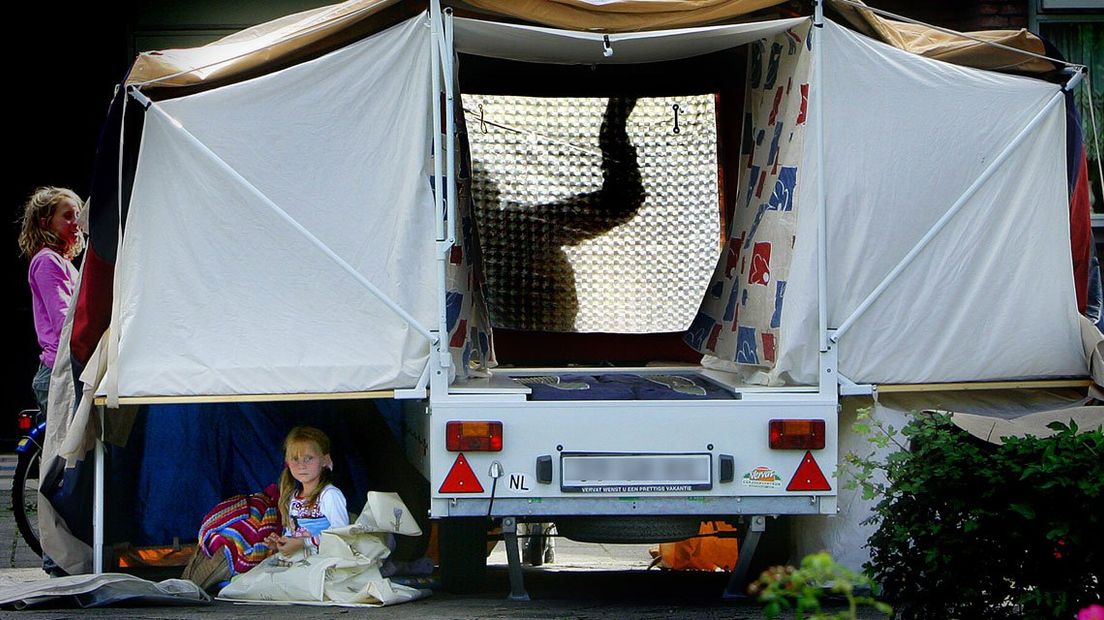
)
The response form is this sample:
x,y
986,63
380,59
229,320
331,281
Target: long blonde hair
x,y
41,206
299,437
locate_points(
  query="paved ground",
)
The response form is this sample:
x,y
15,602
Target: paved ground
x,y
13,552
586,582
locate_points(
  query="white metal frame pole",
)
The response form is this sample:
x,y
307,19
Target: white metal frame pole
x,y
445,247
450,127
955,208
442,161
98,498
822,211
435,73
827,381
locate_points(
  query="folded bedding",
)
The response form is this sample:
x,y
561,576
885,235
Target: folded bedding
x,y
622,386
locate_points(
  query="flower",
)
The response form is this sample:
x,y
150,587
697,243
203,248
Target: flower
x,y
1092,612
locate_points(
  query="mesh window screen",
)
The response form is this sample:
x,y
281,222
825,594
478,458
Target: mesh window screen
x,y
595,215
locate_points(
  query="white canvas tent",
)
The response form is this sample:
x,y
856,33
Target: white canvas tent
x,y
256,180
283,235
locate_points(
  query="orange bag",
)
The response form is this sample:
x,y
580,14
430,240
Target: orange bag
x,y
704,552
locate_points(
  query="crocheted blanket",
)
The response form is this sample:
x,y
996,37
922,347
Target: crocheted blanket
x,y
237,527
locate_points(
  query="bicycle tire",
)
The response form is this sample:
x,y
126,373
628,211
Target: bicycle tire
x,y
25,497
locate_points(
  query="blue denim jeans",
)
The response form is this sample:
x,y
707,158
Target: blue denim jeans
x,y
41,386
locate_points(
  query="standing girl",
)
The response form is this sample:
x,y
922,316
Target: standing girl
x,y
309,502
51,239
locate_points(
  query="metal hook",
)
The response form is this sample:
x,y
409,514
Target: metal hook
x,y
676,109
482,121
607,47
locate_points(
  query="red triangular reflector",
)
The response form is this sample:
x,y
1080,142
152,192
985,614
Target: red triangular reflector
x,y
808,476
461,478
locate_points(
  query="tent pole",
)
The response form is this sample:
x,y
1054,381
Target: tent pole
x,y
435,72
438,355
98,500
444,247
946,218
822,223
450,121
315,241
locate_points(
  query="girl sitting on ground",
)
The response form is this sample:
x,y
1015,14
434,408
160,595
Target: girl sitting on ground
x,y
309,502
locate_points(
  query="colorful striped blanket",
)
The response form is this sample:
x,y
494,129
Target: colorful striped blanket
x,y
237,527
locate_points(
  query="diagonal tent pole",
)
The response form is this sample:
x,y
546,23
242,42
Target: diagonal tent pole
x,y
318,243
955,208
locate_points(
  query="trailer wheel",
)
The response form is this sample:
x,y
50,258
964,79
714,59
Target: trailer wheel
x,y
462,547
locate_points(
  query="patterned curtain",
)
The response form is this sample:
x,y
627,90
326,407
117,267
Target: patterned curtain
x,y
740,316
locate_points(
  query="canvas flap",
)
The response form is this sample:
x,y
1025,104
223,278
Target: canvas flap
x,y
220,294
991,297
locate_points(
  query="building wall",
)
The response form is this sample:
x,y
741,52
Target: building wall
x,y
958,15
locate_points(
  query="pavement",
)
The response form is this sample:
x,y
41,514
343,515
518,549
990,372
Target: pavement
x,y
15,555
586,582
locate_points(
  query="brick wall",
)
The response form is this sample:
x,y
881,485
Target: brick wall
x,y
962,15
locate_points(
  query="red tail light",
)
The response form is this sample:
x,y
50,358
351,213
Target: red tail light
x,y
25,422
796,434
473,436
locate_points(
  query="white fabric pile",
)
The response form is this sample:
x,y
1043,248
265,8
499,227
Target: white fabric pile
x,y
344,572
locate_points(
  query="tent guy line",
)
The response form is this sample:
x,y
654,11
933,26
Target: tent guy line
x,y
481,117
315,241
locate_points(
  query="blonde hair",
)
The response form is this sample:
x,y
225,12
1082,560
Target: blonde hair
x,y
299,437
41,206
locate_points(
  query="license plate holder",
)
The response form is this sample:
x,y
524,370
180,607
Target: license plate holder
x,y
631,473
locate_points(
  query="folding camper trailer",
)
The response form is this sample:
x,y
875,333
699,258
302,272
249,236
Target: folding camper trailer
x,y
296,218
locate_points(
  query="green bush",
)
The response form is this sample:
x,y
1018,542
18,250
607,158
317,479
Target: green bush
x,y
803,589
967,529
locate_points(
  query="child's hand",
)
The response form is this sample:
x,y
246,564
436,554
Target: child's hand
x,y
272,540
289,545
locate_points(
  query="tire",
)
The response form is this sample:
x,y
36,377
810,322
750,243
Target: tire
x,y
462,549
628,530
25,497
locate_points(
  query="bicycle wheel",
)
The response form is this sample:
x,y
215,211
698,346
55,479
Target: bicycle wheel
x,y
25,497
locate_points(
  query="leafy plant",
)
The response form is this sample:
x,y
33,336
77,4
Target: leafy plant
x,y
802,589
967,529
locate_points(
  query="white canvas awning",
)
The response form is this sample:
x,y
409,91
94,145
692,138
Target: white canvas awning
x,y
550,45
992,295
220,294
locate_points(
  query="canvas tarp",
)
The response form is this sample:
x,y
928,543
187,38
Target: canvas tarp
x,y
218,294
992,296
549,45
300,324
888,112
973,51
285,41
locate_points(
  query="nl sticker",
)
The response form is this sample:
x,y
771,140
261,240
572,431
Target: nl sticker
x,y
763,478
